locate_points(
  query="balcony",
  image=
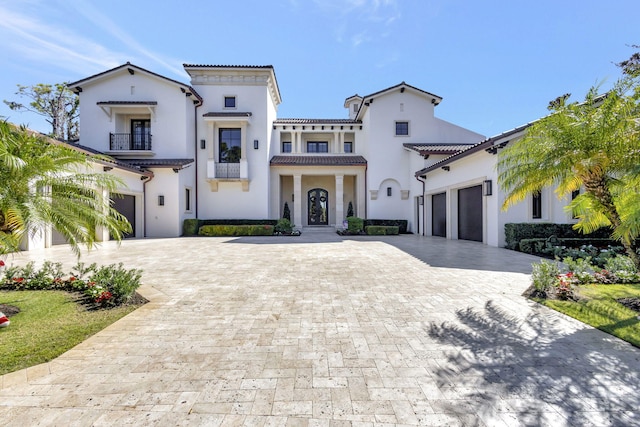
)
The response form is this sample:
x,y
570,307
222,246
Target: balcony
x,y
227,170
129,142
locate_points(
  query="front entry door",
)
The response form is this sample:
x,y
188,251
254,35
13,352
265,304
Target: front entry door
x,y
318,207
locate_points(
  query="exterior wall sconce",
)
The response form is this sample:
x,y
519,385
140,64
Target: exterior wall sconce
x,y
160,200
487,189
292,197
203,144
255,144
389,191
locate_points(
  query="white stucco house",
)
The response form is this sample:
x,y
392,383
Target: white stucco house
x,y
215,148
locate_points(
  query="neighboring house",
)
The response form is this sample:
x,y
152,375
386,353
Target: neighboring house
x,y
215,149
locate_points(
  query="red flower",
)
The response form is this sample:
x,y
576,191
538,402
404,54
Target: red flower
x,y
1,263
18,279
71,279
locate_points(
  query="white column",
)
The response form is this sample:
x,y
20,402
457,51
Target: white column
x,y
297,200
339,200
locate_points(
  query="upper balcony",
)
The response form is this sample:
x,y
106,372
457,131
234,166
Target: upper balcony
x,y
130,145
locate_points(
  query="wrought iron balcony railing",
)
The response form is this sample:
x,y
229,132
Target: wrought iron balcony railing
x,y
227,170
127,141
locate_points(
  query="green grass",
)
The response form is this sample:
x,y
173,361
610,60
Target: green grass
x,y
49,323
598,307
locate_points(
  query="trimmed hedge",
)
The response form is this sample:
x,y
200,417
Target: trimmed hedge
x,y
381,230
402,224
515,232
190,227
536,246
236,230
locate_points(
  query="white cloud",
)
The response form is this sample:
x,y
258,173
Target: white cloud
x,y
41,42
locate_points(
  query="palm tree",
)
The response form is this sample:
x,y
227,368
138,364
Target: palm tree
x,y
43,182
593,145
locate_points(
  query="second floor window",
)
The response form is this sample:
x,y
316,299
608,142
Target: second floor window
x,y
286,147
348,147
230,143
229,102
317,147
402,128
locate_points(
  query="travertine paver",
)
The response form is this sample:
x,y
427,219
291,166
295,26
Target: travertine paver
x,y
324,331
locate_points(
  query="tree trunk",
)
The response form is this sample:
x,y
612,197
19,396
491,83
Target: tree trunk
x,y
597,186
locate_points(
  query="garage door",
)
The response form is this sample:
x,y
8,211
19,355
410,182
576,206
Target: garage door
x,y
439,215
470,213
126,205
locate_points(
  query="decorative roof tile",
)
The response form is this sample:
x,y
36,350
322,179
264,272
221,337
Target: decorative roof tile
x,y
227,114
318,161
437,148
316,121
160,163
127,103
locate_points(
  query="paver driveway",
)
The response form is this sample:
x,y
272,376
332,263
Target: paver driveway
x,y
322,331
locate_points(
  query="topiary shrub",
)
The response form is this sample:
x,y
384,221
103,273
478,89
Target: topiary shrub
x,y
381,230
286,213
190,227
350,210
236,230
272,222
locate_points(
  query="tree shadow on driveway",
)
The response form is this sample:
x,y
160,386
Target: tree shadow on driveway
x,y
532,372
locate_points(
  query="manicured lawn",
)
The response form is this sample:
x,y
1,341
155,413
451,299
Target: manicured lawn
x,y
49,323
598,307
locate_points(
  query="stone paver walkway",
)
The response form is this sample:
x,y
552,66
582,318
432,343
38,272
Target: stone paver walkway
x,y
324,331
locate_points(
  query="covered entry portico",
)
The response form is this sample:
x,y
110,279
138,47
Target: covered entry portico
x,y
318,189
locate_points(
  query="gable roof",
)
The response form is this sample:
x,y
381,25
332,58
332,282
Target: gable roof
x,y
490,145
368,99
187,89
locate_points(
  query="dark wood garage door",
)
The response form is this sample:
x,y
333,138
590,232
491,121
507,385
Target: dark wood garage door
x,y
439,214
470,213
126,205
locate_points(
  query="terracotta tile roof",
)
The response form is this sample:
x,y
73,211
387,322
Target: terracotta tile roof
x,y
316,121
437,148
160,163
225,66
318,161
127,103
227,114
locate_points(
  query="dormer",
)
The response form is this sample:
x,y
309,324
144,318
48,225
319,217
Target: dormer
x,y
353,105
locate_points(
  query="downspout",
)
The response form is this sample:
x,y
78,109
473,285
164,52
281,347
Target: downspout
x,y
149,175
424,209
195,135
366,180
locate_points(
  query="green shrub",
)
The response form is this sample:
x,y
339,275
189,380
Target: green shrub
x,y
354,224
544,277
620,263
272,222
116,280
284,226
515,232
381,230
236,230
402,224
190,227
109,285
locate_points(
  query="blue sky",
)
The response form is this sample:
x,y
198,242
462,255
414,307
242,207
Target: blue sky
x,y
496,63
